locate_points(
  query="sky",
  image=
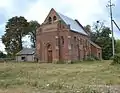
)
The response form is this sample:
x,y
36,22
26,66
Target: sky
x,y
86,11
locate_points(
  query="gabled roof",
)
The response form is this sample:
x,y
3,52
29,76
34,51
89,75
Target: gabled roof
x,y
91,42
74,26
26,51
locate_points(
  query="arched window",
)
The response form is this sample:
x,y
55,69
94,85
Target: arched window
x,y
54,18
49,47
50,20
75,39
81,41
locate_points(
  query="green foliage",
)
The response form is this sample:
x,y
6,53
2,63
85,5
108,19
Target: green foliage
x,y
105,41
14,31
101,36
60,62
116,59
92,58
33,25
117,47
2,55
88,29
75,62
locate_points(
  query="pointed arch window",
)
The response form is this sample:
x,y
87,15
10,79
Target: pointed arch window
x,y
62,40
54,18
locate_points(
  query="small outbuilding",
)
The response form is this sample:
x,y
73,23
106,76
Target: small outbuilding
x,y
26,54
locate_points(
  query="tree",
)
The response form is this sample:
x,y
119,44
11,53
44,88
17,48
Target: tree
x,y
2,55
97,29
14,31
33,25
88,29
117,46
105,42
101,36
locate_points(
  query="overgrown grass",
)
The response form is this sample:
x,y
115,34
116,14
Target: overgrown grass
x,y
85,77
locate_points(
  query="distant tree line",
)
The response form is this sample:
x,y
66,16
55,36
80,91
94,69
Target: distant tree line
x,y
18,27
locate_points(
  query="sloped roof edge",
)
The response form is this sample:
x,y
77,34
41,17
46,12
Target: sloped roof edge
x,y
91,42
74,25
26,51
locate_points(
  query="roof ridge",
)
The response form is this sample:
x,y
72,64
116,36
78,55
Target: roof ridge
x,y
65,16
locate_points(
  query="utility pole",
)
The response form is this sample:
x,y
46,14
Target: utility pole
x,y
110,5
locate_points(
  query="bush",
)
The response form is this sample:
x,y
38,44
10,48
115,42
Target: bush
x,y
75,62
116,59
111,58
60,62
92,58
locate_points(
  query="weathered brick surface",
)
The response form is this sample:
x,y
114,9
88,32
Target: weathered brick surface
x,y
65,45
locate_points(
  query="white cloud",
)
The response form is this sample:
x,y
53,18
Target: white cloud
x,y
5,3
26,42
2,46
37,12
86,11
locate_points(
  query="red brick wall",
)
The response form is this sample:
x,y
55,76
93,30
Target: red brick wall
x,y
49,35
69,51
84,46
96,52
76,46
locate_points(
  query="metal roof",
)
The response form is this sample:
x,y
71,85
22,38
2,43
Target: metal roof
x,y
26,51
74,26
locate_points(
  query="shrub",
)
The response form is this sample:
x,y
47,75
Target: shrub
x,y
116,59
92,58
60,62
111,58
75,62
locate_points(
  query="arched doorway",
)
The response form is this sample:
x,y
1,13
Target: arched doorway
x,y
49,53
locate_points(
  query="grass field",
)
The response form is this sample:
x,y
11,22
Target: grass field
x,y
85,77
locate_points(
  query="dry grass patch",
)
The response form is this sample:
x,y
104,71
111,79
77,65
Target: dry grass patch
x,y
58,78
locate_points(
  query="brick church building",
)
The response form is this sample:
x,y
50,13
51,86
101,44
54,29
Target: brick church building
x,y
60,38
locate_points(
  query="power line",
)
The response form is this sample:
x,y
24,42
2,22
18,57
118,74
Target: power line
x,y
116,25
110,5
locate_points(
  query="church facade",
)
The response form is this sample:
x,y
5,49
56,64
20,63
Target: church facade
x,y
60,38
